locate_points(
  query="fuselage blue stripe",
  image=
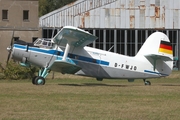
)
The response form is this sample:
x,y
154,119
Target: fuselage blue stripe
x,y
35,49
43,51
157,73
60,53
20,46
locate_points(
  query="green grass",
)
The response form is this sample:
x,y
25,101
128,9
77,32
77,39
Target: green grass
x,y
82,98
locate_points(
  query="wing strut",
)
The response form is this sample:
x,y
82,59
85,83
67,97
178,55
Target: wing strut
x,y
66,52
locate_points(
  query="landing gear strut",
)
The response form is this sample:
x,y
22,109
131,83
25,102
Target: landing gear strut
x,y
146,82
40,79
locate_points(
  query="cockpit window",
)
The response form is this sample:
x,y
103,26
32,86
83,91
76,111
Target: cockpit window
x,y
49,44
38,42
45,43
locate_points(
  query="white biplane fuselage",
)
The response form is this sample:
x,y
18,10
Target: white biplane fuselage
x,y
67,53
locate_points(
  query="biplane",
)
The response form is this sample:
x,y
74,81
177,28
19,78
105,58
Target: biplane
x,y
67,52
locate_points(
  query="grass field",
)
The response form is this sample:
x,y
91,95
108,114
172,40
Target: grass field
x,y
79,98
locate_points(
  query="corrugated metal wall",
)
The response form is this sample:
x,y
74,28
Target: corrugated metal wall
x,y
160,14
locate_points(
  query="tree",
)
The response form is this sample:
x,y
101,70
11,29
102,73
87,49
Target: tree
x,y
46,6
43,7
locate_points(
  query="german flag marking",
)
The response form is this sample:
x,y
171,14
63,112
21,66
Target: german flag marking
x,y
165,47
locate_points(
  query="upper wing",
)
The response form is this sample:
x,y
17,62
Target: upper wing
x,y
74,36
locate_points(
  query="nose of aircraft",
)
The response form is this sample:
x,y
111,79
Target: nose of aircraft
x,y
9,49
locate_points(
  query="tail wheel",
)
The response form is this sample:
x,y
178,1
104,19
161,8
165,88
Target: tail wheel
x,y
39,80
147,83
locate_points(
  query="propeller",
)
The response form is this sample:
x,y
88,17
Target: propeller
x,y
10,48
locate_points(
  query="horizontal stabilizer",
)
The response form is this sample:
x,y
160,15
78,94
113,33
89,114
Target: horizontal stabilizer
x,y
65,67
157,57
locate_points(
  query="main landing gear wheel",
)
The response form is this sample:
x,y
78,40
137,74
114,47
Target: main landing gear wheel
x,y
38,80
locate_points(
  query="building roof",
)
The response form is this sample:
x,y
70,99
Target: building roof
x,y
143,14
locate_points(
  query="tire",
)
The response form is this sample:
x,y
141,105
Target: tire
x,y
147,83
39,81
33,80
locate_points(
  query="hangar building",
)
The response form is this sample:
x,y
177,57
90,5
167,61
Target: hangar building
x,y
122,26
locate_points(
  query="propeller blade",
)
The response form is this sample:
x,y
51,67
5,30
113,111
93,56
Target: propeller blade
x,y
10,48
12,39
9,55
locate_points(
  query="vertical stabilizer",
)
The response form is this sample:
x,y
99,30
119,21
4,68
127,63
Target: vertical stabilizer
x,y
157,49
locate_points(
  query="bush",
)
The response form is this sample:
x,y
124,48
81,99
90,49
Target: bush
x,y
15,71
1,72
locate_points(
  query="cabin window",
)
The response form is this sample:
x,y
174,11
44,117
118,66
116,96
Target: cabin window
x,y
131,67
115,65
26,15
127,66
4,14
135,68
122,65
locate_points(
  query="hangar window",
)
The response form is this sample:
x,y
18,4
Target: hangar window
x,y
150,32
49,33
4,14
173,37
109,39
99,41
120,41
131,42
90,31
141,38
